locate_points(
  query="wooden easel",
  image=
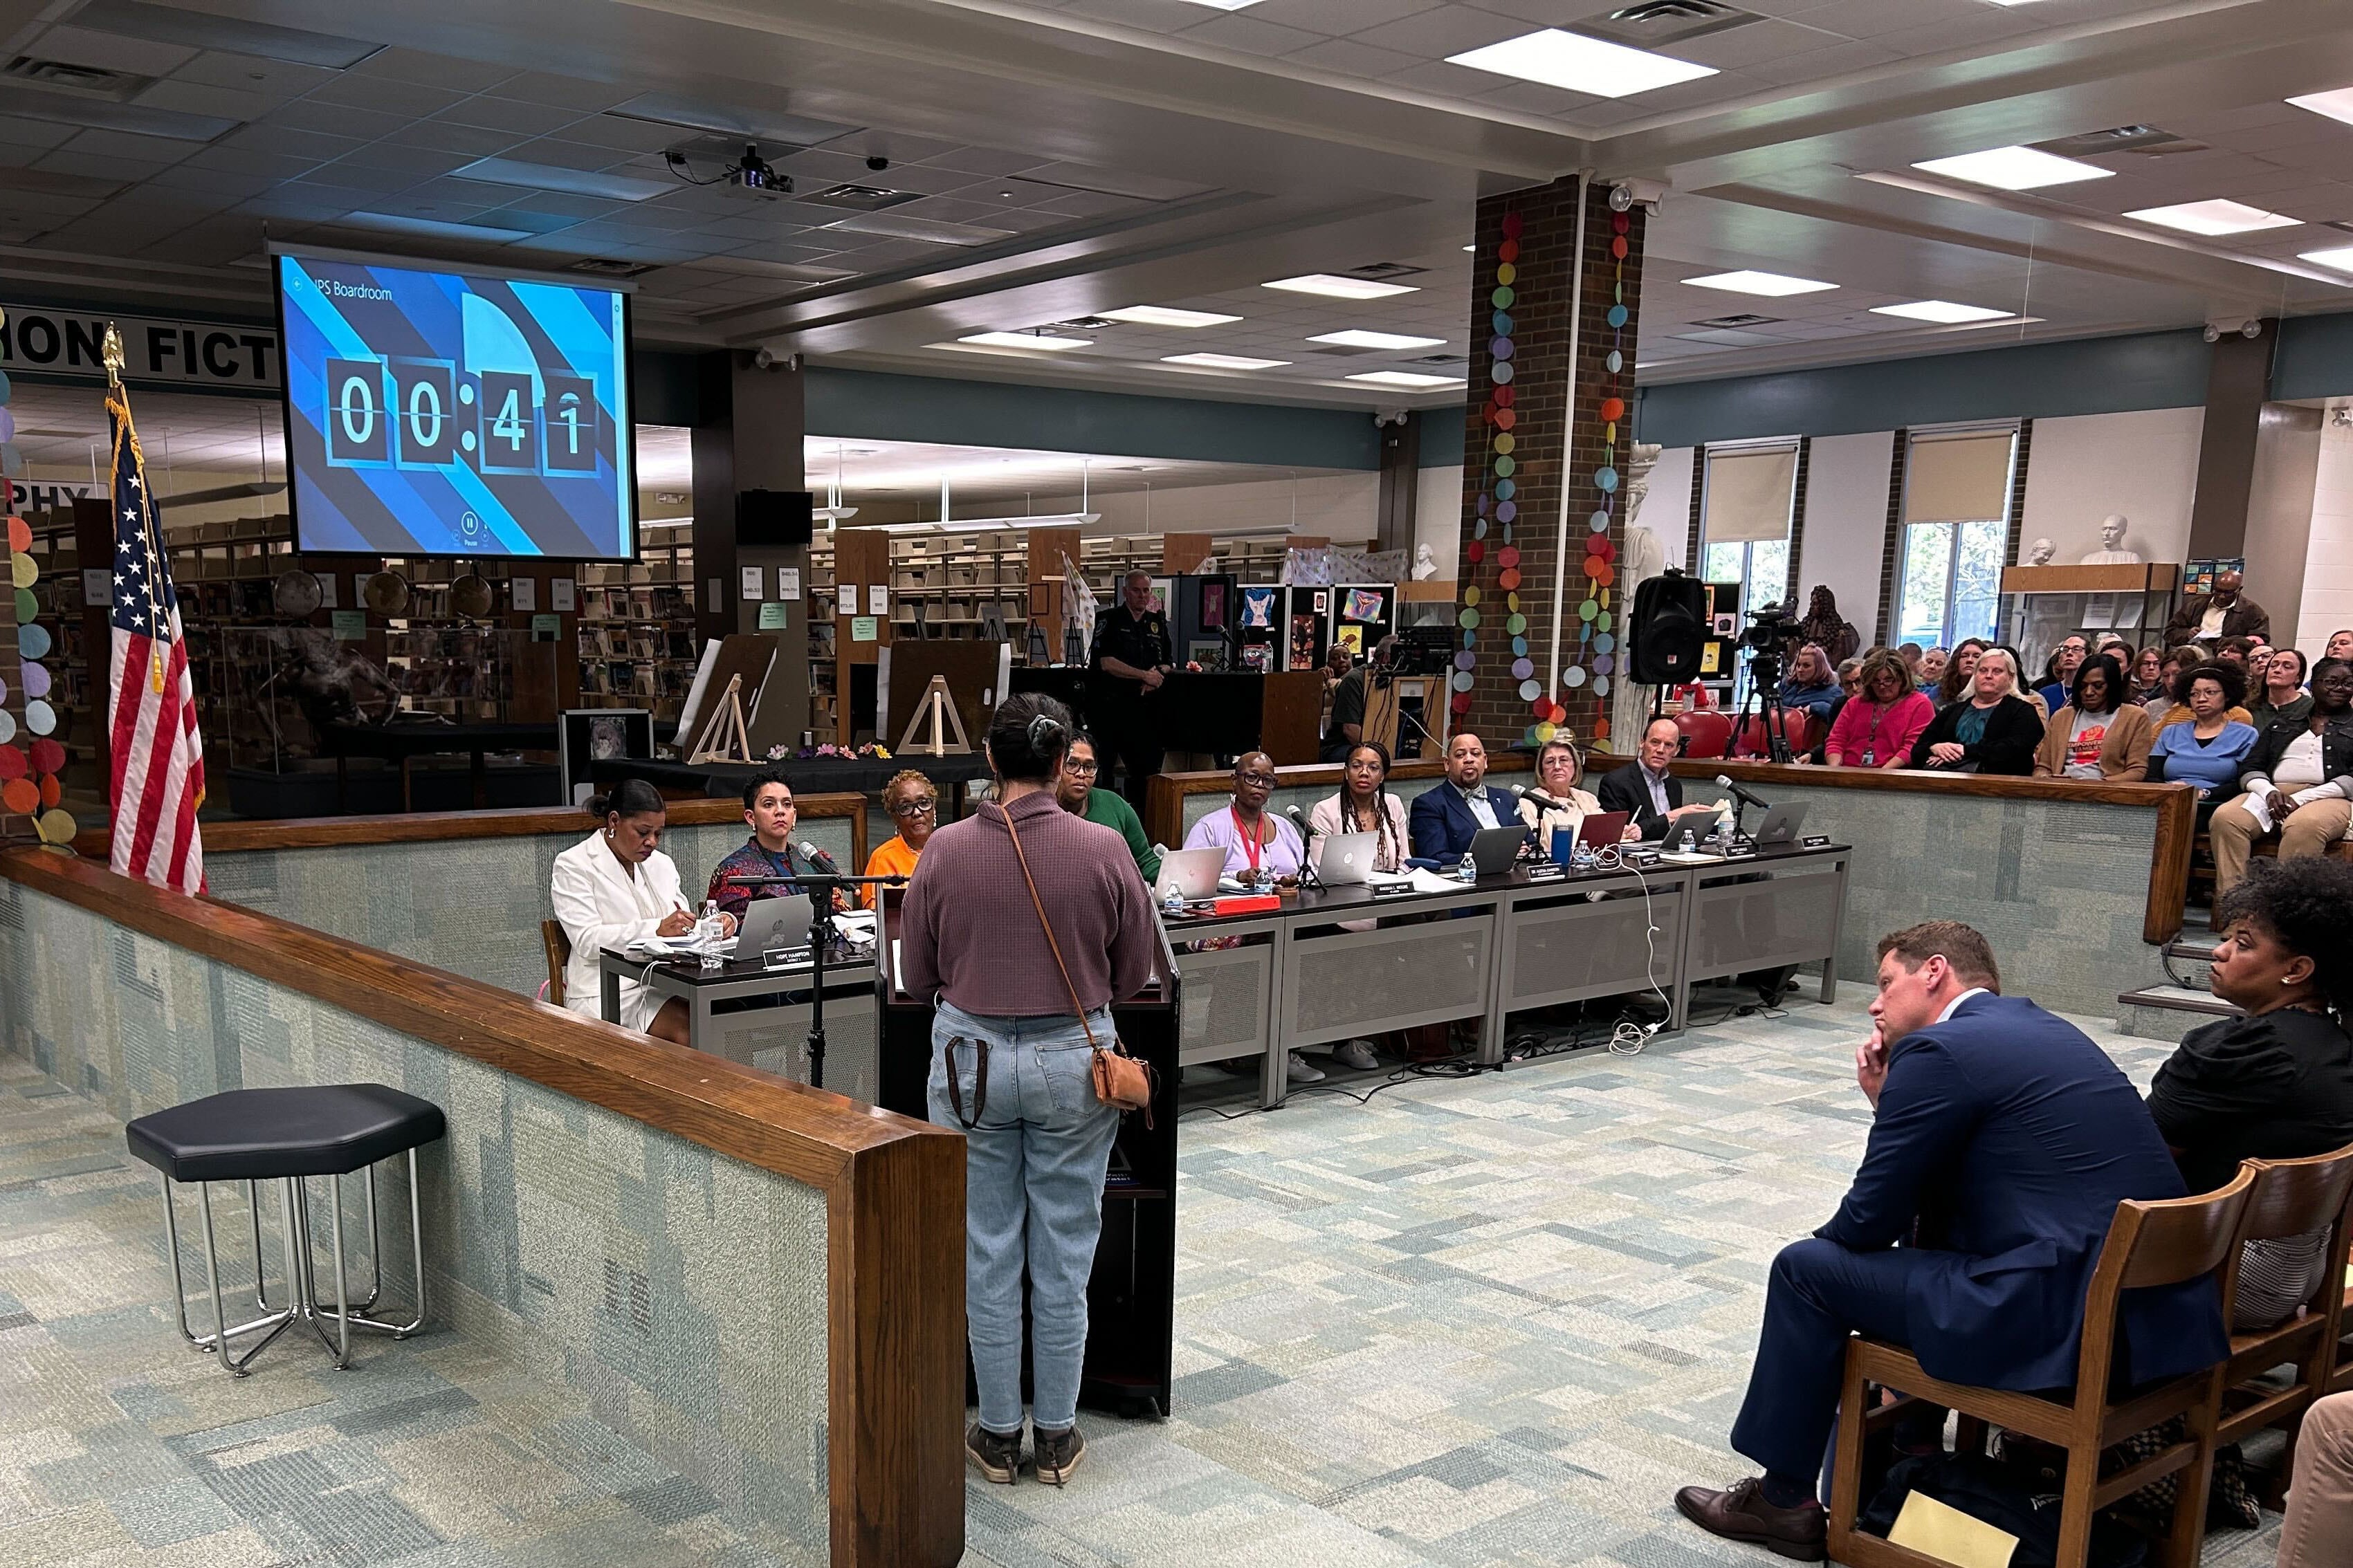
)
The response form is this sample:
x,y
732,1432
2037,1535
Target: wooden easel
x,y
939,707
725,739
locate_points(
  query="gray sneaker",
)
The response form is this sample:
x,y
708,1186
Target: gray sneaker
x,y
1057,1454
1356,1055
1295,1066
995,1454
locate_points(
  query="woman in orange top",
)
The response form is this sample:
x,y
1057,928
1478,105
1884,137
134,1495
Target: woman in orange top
x,y
914,807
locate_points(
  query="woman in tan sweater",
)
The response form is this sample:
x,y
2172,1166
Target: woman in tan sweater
x,y
2099,735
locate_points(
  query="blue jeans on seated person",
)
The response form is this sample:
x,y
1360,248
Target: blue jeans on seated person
x,y
1034,1165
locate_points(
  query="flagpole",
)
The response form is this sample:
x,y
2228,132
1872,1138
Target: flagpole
x,y
110,354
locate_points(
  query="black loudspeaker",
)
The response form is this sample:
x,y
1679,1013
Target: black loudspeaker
x,y
1668,631
774,517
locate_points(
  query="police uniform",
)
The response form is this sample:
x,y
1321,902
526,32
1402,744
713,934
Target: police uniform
x,y
1127,717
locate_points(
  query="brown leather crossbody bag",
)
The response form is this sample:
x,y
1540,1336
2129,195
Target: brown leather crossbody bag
x,y
1120,1080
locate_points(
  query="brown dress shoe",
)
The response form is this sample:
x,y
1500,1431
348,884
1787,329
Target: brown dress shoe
x,y
1802,1532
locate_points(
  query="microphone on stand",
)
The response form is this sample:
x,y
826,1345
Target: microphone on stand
x,y
817,857
1298,820
1307,875
1746,796
1524,792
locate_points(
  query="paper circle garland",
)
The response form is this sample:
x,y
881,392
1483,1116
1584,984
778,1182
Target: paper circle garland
x,y
1522,667
37,682
1573,677
1530,690
56,828
32,641
21,795
20,534
13,762
47,756
39,717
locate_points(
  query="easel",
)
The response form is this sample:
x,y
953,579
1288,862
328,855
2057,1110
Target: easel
x,y
724,738
939,707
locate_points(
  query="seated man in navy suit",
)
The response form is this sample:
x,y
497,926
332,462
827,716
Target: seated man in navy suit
x,y
1645,790
1445,818
2007,1138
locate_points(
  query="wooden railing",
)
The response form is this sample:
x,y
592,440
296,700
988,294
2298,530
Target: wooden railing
x,y
894,1187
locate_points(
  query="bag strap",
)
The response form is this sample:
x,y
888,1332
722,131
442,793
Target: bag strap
x,y
1055,947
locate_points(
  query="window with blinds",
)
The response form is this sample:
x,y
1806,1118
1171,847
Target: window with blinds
x,y
1956,490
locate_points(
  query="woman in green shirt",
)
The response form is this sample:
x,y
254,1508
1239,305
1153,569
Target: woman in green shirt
x,y
1074,787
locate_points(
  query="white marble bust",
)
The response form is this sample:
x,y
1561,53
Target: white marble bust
x,y
1425,563
2040,552
2112,550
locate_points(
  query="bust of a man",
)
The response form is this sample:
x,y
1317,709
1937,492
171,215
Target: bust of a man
x,y
2040,552
1425,563
2112,550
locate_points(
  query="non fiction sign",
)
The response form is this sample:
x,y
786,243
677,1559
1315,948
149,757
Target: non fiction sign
x,y
180,353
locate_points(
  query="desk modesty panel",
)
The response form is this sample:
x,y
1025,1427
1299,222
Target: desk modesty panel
x,y
822,1395
2070,880
461,890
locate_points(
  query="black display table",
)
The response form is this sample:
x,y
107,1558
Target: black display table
x,y
1223,713
404,744
807,775
1131,1296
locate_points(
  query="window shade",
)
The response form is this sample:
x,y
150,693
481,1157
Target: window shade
x,y
1959,479
1748,495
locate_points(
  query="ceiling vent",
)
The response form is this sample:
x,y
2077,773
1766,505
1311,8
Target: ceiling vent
x,y
1653,24
1086,323
1382,271
1455,360
59,76
2145,140
610,266
1740,320
860,198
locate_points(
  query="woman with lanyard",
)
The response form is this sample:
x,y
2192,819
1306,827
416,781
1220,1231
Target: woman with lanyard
x,y
1877,730
1259,848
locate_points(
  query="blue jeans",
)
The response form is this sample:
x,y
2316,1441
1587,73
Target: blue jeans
x,y
1034,1168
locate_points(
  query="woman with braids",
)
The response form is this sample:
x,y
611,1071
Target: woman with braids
x,y
1019,916
1364,805
2276,1084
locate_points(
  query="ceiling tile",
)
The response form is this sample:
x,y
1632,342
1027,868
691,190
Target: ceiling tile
x,y
278,79
333,119
440,136
408,99
159,149
1446,30
1238,30
1338,19
108,51
563,91
1351,59
433,70
508,114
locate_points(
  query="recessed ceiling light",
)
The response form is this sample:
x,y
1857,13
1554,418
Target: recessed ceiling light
x,y
1339,287
572,181
1222,5
1165,316
1771,284
2014,169
1941,310
1580,64
1407,378
2336,104
1356,339
2217,217
1223,361
1023,341
2338,256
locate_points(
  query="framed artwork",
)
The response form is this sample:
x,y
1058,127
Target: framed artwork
x,y
1258,609
1352,638
1323,601
1362,605
1210,653
1213,607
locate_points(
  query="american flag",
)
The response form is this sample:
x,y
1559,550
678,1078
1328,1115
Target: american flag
x,y
159,759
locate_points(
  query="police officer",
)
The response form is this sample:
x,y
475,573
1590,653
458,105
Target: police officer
x,y
1134,653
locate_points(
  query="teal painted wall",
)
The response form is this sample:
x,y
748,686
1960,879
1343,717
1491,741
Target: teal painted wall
x,y
2316,357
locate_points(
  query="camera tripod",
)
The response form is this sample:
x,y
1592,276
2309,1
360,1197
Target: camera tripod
x,y
1764,702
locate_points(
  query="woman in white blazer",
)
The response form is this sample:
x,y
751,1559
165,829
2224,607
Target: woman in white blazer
x,y
612,888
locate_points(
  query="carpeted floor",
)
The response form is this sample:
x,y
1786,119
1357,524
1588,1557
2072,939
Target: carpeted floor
x,y
1493,1321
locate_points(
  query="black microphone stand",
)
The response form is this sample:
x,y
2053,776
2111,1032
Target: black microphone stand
x,y
822,886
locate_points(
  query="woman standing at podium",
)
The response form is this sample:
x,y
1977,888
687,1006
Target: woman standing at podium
x,y
1019,916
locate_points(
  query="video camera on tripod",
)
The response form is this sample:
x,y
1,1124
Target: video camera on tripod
x,y
1772,633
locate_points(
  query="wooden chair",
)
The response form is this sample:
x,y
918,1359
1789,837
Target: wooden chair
x,y
558,948
2161,1243
2289,1198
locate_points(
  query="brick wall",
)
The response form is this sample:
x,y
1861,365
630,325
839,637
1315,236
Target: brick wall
x,y
1514,486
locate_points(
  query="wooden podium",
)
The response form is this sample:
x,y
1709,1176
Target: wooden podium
x,y
1384,711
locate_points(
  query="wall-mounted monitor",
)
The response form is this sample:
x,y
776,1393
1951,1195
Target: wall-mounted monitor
x,y
456,413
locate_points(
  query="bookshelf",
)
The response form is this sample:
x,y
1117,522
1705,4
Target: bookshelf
x,y
635,641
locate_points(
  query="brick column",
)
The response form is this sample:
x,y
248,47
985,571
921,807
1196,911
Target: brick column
x,y
1523,438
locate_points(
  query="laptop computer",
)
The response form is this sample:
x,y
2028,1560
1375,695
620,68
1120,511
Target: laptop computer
x,y
1192,872
1600,829
1343,859
1495,849
779,920
1781,824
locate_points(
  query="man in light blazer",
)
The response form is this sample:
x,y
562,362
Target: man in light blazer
x,y
1444,819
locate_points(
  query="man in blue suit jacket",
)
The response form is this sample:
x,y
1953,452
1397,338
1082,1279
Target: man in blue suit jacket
x,y
1446,817
2004,1139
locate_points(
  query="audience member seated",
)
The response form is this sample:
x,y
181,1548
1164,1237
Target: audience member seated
x,y
1811,686
1876,730
2340,645
1074,788
2116,647
2281,698
914,808
2098,735
1560,776
1260,847
614,888
2001,1140
770,852
2233,679
1960,673
1993,730
2148,681
2299,782
2227,612
2276,1084
1654,797
1343,726
1911,653
2059,675
2320,1499
2235,650
1447,817
1929,673
2207,747
1363,805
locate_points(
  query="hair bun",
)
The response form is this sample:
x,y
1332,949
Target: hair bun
x,y
1043,731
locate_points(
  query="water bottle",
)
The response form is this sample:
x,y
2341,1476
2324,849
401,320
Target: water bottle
x,y
1466,869
1686,845
1581,855
1172,904
710,931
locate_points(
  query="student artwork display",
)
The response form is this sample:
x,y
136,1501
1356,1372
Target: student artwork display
x,y
1259,656
1258,609
1361,604
31,758
1207,654
1350,637
1304,627
1213,607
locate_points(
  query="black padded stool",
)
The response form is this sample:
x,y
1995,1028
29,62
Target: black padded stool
x,y
289,1135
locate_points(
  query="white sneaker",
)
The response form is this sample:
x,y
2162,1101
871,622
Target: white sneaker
x,y
1296,1068
1356,1055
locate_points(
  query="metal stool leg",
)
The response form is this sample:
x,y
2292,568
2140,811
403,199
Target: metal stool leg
x,y
217,1341
205,1343
355,1316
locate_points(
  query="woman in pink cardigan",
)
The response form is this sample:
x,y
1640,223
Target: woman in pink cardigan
x,y
1877,727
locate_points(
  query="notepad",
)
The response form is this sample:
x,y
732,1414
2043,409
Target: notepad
x,y
1943,1531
